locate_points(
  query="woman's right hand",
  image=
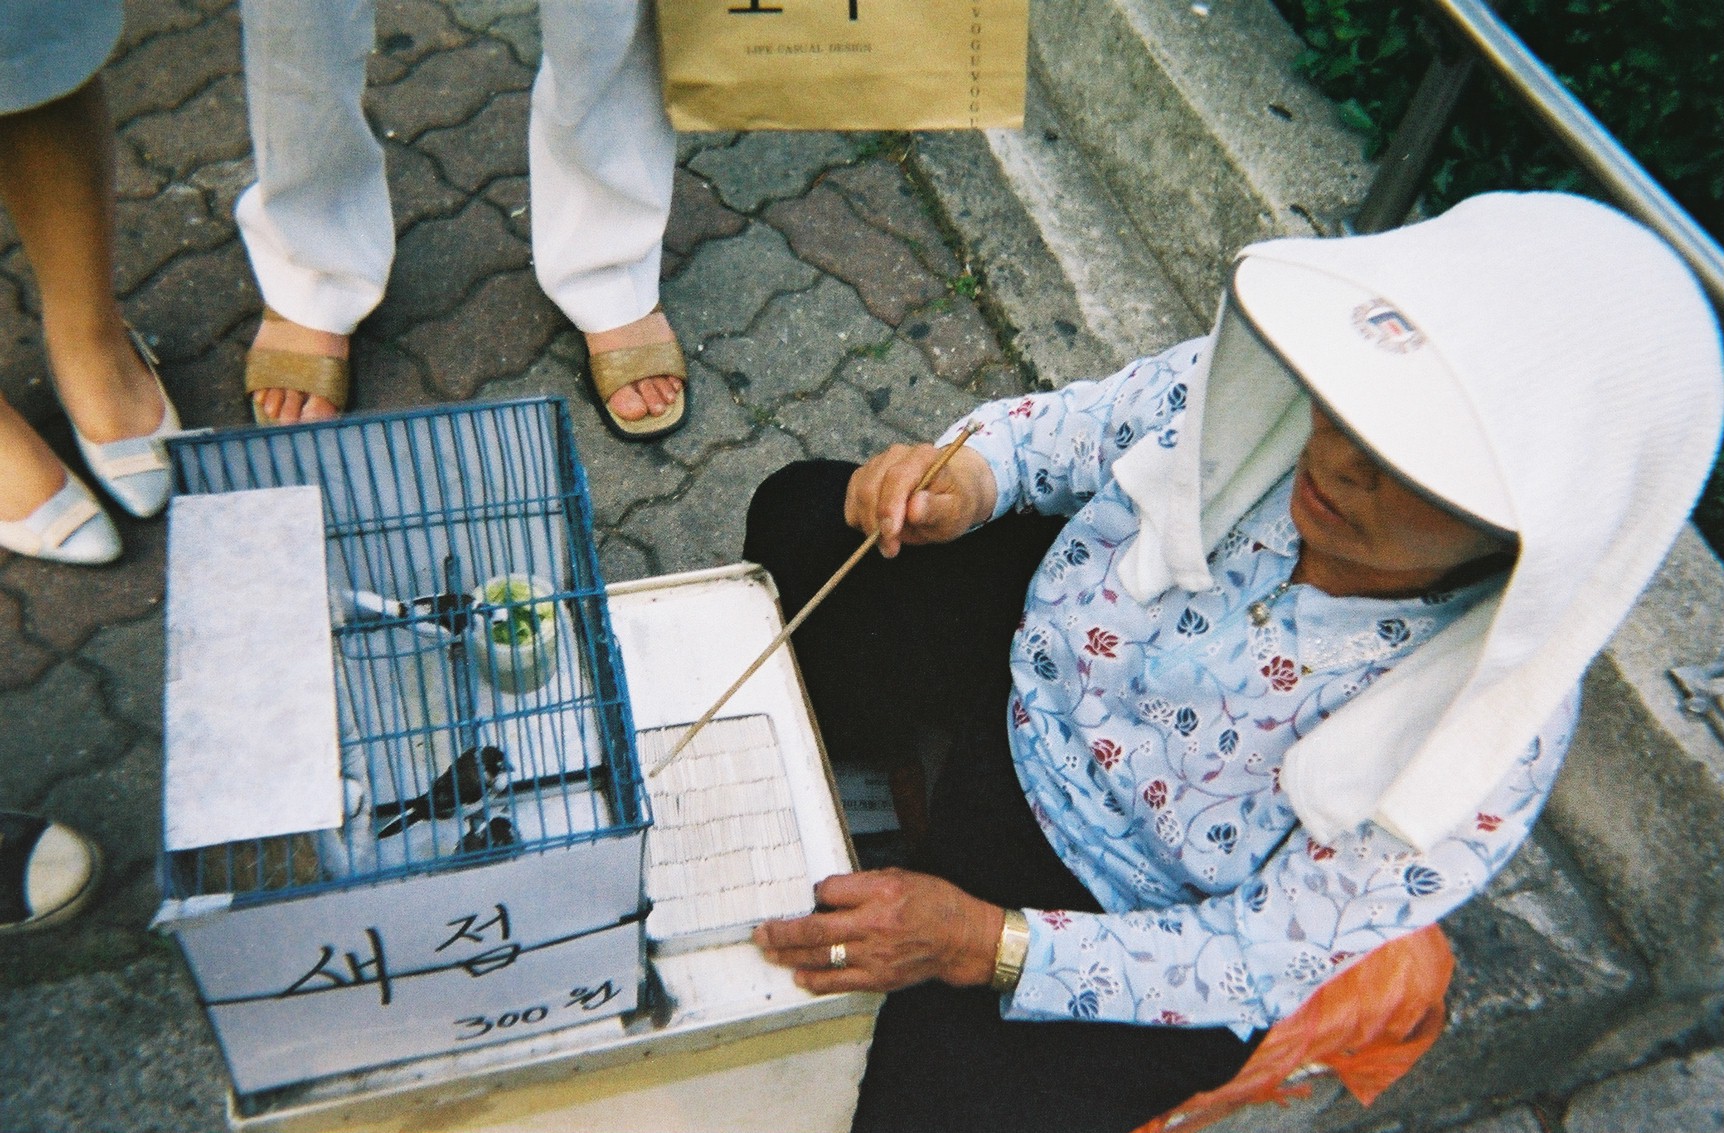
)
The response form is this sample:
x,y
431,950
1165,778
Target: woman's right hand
x,y
882,496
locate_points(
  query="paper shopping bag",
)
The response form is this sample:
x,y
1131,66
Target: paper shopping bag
x,y
843,64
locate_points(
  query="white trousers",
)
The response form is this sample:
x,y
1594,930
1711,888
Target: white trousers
x,y
600,149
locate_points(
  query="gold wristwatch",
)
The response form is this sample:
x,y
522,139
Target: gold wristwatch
x,y
1009,953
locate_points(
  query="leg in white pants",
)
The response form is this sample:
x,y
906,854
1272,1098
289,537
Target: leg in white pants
x,y
601,155
317,224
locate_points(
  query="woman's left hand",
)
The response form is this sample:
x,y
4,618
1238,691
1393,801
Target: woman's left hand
x,y
898,928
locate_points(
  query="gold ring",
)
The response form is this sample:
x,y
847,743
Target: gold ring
x,y
836,957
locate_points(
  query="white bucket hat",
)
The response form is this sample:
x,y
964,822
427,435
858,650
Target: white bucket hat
x,y
1537,361
1378,372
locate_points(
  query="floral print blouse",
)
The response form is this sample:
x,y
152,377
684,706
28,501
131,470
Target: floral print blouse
x,y
1149,740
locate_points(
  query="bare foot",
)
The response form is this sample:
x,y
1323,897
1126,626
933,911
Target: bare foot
x,y
285,406
30,473
648,397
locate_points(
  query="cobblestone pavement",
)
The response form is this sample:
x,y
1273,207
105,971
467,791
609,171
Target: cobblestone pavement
x,y
822,311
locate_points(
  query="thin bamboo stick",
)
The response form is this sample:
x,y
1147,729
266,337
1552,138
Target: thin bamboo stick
x,y
946,454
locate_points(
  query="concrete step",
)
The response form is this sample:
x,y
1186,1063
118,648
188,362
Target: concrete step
x,y
1157,141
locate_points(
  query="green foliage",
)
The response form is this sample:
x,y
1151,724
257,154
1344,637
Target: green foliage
x,y
1651,70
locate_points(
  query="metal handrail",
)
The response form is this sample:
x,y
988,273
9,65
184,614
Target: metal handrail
x,y
1401,174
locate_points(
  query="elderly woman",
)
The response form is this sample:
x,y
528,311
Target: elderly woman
x,y
1257,655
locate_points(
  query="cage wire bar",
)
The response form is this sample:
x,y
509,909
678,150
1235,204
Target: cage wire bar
x,y
480,695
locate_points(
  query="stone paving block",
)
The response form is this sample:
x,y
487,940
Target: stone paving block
x,y
1297,1116
511,196
689,144
491,144
409,30
881,195
119,805
837,425
151,232
417,190
902,390
439,262
147,18
210,390
195,300
481,14
111,1052
996,380
697,215
152,76
21,660
623,560
170,144
54,730
1520,1119
118,930
824,231
128,658
134,179
446,89
522,34
386,377
21,360
796,345
223,182
703,526
955,337
727,282
619,475
64,607
773,165
720,419
495,334
1681,1095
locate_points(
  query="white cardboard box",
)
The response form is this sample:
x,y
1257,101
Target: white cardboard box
x,y
736,1039
347,966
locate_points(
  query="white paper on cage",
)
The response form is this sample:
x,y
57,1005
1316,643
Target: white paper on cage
x,y
724,852
250,720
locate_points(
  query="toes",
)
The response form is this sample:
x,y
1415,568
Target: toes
x,y
319,409
268,402
649,397
628,403
292,407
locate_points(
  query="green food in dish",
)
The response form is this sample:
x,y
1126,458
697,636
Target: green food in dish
x,y
520,624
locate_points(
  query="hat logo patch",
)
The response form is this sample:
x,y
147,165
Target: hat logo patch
x,y
1381,324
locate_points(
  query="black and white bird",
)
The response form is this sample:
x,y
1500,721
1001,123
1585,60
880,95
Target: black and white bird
x,y
475,773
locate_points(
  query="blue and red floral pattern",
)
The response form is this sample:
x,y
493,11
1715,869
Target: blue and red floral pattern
x,y
1149,740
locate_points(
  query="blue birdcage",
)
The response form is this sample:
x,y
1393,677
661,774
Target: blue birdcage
x,y
481,700
495,812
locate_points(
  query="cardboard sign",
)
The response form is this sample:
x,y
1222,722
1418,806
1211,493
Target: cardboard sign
x,y
843,64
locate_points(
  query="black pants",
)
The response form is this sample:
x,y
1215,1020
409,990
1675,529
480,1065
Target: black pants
x,y
919,644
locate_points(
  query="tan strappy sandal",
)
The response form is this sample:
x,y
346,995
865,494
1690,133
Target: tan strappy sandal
x,y
317,375
610,370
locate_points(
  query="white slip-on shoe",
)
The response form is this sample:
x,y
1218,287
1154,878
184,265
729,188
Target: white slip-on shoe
x,y
135,470
70,528
47,872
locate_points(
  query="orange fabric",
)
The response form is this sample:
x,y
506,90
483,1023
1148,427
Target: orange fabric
x,y
1367,1026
